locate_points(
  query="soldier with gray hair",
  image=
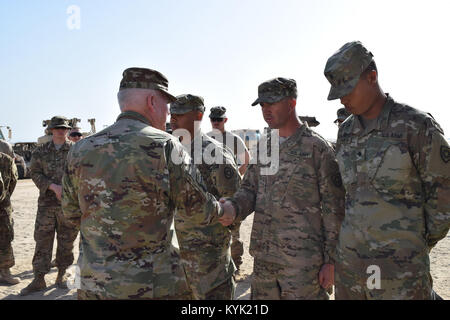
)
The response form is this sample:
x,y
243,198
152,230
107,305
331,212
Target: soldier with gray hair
x,y
394,163
298,209
121,188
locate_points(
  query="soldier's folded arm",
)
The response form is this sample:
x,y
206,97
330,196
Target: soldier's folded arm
x,y
187,189
432,158
332,197
244,199
37,174
69,202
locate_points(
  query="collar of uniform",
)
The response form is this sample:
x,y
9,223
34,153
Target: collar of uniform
x,y
382,120
133,115
293,139
65,146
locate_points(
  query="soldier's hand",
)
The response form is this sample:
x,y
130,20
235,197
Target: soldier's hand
x,y
326,276
57,189
229,214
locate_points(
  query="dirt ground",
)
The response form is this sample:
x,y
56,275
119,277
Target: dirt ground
x,y
24,201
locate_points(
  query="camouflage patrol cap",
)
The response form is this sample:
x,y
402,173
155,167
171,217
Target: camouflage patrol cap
x,y
276,89
142,78
59,122
187,102
218,112
342,114
344,68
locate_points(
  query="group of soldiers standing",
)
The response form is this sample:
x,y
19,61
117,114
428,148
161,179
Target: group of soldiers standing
x,y
328,214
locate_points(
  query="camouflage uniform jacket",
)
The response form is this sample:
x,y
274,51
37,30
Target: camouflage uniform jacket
x,y
8,181
396,176
121,188
47,167
298,210
206,248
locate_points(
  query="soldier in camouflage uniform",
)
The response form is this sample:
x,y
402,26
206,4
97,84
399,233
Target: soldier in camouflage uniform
x,y
122,187
47,168
8,181
394,162
205,250
218,119
298,209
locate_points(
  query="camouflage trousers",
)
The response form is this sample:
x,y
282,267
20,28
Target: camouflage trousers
x,y
6,237
237,246
223,292
48,221
87,295
275,282
352,285
208,270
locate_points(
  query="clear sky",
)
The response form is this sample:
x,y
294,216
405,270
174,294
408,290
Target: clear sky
x,y
221,50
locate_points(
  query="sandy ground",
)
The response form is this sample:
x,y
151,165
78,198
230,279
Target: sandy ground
x,y
25,206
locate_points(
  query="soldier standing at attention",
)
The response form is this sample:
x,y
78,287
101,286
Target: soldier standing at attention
x,y
394,163
47,167
122,187
298,209
8,181
205,249
218,119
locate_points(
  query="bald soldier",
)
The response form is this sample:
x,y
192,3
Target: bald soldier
x,y
394,162
298,208
121,188
8,181
205,250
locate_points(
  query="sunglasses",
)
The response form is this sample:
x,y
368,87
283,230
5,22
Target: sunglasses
x,y
75,134
216,119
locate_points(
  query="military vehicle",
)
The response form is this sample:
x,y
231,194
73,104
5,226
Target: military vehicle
x,y
24,150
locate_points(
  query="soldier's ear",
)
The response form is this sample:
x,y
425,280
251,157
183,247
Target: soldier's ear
x,y
199,116
372,77
150,102
292,103
225,120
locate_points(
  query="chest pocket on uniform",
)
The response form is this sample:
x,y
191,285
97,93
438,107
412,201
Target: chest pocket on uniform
x,y
392,172
301,179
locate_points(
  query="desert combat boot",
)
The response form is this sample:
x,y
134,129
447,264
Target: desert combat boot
x,y
37,284
6,277
61,279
